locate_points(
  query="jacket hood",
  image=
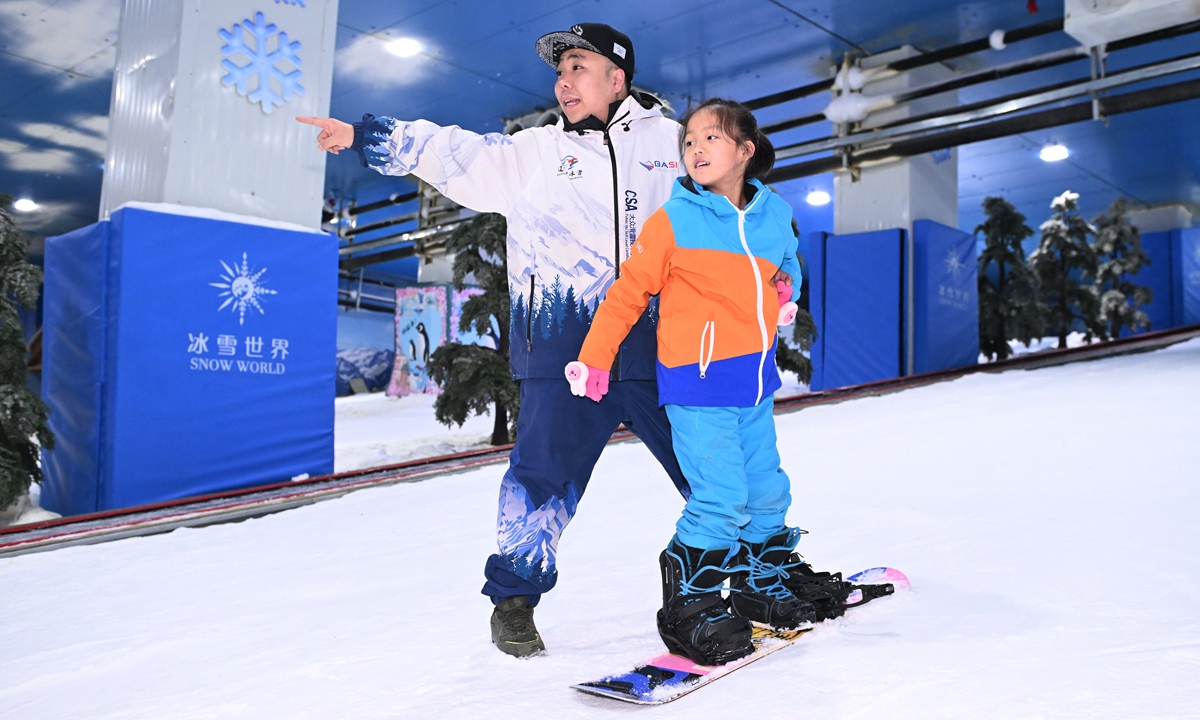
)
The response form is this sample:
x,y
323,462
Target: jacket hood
x,y
757,194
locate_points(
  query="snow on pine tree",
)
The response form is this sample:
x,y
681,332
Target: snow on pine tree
x,y
473,378
22,414
1064,263
1009,308
1120,256
804,332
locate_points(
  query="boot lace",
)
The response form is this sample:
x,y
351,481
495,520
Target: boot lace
x,y
520,621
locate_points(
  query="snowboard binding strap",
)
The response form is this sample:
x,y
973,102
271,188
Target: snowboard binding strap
x,y
868,593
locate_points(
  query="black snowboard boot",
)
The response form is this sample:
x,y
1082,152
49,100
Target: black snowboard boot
x,y
825,591
759,593
513,630
695,621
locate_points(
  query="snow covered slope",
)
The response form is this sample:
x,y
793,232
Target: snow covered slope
x,y
1047,520
374,430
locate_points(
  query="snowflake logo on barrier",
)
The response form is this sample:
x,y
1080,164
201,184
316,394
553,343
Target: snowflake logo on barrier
x,y
269,67
242,289
954,266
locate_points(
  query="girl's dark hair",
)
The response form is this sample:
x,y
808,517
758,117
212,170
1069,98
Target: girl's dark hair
x,y
737,122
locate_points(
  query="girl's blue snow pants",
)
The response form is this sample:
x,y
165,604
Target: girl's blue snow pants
x,y
739,491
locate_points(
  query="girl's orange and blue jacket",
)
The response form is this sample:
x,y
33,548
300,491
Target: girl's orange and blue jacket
x,y
711,266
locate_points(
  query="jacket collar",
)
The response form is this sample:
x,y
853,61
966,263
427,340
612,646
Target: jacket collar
x,y
756,196
623,112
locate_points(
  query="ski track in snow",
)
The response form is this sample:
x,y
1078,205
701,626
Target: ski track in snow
x,y
1046,519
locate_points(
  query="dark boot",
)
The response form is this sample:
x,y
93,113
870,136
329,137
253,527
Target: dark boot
x,y
695,621
825,591
513,630
759,593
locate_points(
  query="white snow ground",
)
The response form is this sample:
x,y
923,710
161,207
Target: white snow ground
x,y
1047,520
373,430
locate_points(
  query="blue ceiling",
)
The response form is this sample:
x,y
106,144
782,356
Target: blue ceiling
x,y
478,67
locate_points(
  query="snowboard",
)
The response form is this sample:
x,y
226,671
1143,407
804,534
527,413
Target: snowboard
x,y
668,677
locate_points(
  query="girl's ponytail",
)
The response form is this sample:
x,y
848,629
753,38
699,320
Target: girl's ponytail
x,y
764,156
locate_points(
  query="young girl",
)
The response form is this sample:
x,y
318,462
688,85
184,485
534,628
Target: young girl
x,y
709,254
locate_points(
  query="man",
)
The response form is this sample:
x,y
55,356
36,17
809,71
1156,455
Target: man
x,y
575,196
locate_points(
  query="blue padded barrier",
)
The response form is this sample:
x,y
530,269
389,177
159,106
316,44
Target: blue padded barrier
x,y
814,279
1185,276
73,367
858,306
186,355
1158,277
945,298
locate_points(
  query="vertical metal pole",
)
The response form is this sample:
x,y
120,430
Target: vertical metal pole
x,y
910,304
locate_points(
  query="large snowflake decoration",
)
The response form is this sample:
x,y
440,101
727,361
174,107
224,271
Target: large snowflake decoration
x,y
242,289
954,266
269,67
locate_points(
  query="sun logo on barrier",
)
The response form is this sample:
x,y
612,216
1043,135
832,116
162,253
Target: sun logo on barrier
x,y
242,289
954,266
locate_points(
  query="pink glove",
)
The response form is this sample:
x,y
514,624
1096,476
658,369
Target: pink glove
x,y
784,290
787,313
587,381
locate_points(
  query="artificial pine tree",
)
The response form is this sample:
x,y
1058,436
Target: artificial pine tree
x,y
1009,308
22,414
473,378
1119,250
804,332
1063,262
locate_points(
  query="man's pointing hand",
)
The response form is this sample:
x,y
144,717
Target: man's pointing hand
x,y
335,135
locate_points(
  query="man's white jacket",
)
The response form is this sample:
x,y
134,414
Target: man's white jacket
x,y
574,201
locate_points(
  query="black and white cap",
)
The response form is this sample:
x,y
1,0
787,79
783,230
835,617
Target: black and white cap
x,y
597,37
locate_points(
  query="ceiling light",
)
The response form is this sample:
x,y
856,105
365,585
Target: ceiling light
x,y
1054,153
817,197
404,47
25,205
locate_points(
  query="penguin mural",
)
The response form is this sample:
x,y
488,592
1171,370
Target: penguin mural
x,y
424,344
421,314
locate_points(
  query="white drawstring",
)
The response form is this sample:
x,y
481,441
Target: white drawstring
x,y
712,339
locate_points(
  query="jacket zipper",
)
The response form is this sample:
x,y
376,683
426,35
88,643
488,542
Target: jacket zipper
x,y
762,323
529,316
612,157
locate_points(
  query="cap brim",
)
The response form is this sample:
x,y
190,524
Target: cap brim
x,y
551,45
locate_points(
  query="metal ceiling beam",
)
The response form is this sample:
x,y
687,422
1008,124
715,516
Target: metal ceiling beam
x,y
390,222
930,58
1016,68
1040,62
1113,105
414,236
393,199
910,130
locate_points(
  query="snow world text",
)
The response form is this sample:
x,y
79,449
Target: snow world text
x,y
253,347
246,366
